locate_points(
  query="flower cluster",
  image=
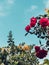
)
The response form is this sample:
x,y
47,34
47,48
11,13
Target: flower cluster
x,y
43,22
24,47
32,24
40,53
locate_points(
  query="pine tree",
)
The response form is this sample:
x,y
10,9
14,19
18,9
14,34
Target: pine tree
x,y
10,39
11,42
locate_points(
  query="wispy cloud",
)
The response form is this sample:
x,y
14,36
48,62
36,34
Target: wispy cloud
x,y
29,12
33,7
46,2
2,14
10,1
5,7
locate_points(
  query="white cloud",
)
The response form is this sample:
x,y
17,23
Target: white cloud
x,y
2,14
10,1
29,12
46,2
33,7
1,8
5,7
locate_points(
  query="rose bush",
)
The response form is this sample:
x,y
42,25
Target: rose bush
x,y
39,26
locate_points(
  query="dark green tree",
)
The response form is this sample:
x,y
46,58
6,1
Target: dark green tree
x,y
10,39
11,42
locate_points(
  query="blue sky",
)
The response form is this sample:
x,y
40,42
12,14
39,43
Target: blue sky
x,y
15,15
